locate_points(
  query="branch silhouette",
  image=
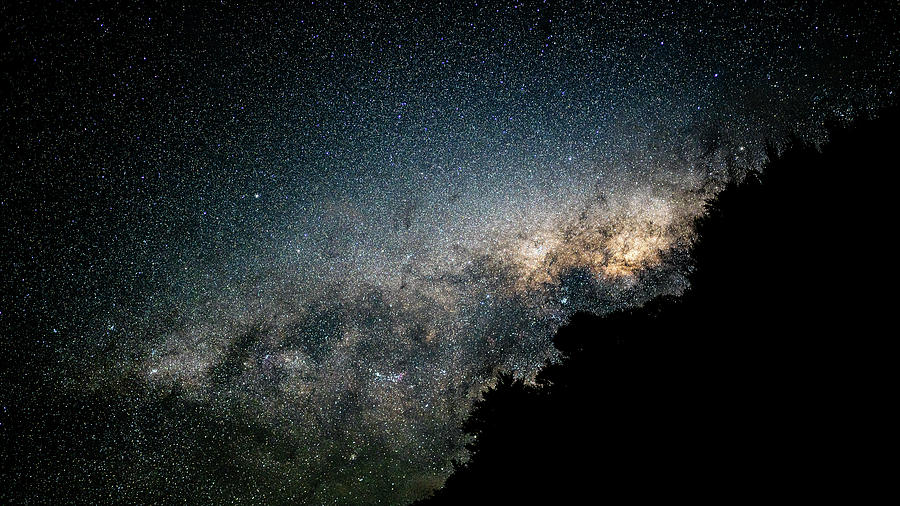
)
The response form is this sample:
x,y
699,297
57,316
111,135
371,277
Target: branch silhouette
x,y
742,388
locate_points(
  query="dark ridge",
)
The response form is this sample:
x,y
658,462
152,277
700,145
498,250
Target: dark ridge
x,y
315,333
762,381
232,365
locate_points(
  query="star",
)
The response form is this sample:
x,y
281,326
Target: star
x,y
445,186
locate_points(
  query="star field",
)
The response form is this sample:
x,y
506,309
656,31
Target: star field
x,y
278,252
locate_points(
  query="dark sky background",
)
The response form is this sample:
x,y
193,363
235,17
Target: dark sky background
x,y
335,223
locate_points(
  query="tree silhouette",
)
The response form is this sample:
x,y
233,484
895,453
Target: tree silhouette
x,y
752,385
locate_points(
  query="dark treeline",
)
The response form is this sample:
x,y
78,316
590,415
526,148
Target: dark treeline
x,y
764,381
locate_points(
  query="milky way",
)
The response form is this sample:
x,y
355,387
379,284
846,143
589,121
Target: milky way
x,y
309,238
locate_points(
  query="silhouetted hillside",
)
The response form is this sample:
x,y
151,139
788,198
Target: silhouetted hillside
x,y
761,382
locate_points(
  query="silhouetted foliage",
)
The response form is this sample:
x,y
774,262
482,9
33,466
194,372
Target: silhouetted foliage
x,y
755,384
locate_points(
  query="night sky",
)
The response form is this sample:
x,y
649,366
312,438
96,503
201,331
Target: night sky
x,y
302,240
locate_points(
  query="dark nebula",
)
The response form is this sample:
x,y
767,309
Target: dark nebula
x,y
268,254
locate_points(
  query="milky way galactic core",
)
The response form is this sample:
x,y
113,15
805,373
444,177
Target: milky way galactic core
x,y
302,241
